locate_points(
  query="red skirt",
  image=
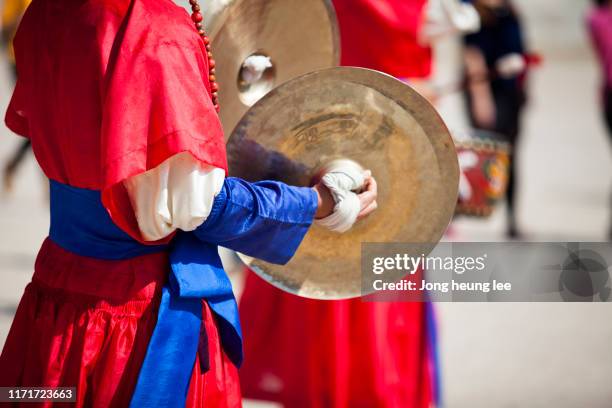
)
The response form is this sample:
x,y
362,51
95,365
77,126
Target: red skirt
x,y
86,323
308,353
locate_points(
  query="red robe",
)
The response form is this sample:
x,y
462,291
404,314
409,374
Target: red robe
x,y
383,35
107,89
343,354
340,354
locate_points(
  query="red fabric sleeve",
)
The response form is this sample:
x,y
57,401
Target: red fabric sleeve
x,y
156,104
17,112
16,116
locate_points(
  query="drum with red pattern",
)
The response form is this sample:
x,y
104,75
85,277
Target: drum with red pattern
x,y
484,161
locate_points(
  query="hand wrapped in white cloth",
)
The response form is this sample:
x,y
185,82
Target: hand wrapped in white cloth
x,y
254,68
354,195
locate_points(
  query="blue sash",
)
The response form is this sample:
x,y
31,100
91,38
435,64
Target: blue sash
x,y
80,224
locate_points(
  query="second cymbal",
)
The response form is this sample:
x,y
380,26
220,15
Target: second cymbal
x,y
284,38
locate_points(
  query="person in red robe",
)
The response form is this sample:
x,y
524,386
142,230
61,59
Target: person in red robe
x,y
129,304
355,353
347,353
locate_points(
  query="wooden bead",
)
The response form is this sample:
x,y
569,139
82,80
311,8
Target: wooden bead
x,y
197,17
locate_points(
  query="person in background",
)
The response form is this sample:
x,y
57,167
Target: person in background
x,y
599,22
12,10
495,93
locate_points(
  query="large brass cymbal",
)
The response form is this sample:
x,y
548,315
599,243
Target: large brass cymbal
x,y
299,36
374,120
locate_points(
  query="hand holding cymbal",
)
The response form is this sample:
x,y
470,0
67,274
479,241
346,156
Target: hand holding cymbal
x,y
353,191
368,197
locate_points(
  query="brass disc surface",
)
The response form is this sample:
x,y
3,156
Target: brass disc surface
x,y
374,120
215,13
299,36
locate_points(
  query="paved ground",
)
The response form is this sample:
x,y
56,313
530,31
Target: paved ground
x,y
493,355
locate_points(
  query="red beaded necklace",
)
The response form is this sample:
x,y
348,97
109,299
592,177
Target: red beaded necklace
x,y
197,18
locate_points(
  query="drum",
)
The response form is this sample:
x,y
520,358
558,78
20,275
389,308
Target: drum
x,y
484,162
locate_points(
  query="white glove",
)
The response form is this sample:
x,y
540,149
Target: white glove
x,y
254,68
342,180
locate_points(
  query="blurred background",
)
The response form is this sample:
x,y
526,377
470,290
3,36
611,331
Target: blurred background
x,y
492,355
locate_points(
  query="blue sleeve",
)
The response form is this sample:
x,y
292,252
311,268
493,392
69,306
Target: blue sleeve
x,y
266,220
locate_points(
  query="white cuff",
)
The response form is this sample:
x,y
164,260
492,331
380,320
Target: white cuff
x,y
177,194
